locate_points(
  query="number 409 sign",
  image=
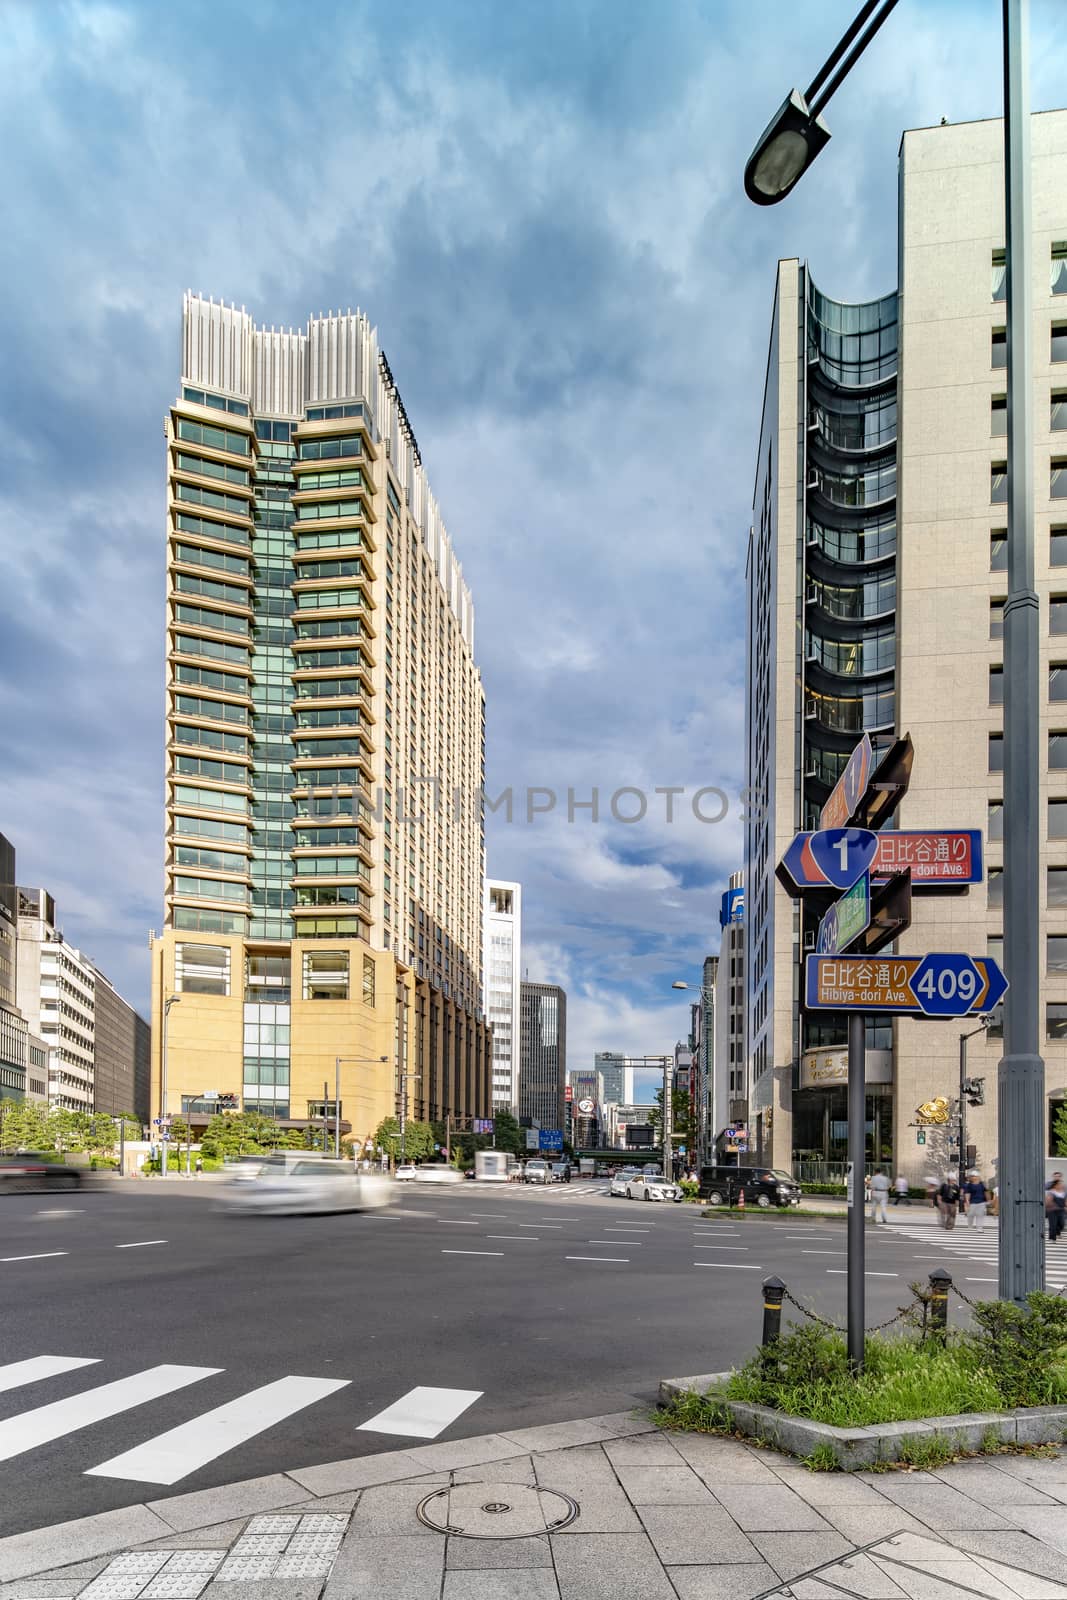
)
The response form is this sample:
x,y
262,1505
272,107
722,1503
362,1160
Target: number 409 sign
x,y
927,986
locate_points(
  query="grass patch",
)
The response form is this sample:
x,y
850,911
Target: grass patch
x,y
773,1213
695,1413
822,1459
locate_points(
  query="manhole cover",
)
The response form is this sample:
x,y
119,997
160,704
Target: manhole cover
x,y
496,1510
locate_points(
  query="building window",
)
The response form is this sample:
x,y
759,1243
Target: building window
x,y
326,975
368,980
996,686
1056,953
1057,752
998,422
1058,418
1058,548
1057,682
1058,480
995,888
1056,886
1000,275
998,551
1057,819
202,969
1056,1020
1057,614
996,619
1059,341
995,820
998,483
1000,347
996,752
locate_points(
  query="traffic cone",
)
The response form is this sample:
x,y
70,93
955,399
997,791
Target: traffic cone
x,y
741,1200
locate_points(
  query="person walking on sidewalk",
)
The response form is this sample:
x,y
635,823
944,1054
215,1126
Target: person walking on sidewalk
x,y
977,1201
1055,1207
879,1196
900,1190
948,1202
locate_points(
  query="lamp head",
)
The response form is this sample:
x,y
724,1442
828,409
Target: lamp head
x,y
784,151
679,983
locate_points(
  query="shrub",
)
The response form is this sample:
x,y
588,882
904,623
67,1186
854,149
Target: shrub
x,y
1024,1350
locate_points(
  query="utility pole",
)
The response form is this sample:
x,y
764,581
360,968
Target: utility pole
x,y
668,1084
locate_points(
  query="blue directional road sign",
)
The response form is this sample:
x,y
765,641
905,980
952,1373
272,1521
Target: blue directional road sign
x,y
925,986
550,1139
843,854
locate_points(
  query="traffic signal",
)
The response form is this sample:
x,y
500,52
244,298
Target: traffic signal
x,y
974,1089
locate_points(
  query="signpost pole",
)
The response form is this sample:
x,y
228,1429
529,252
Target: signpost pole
x,y
668,1165
857,1155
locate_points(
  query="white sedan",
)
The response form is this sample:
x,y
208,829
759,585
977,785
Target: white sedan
x,y
620,1183
651,1186
437,1172
307,1187
406,1172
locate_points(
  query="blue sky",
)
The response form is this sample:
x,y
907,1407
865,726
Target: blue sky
x,y
540,207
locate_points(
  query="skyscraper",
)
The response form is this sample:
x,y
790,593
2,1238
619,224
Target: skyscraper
x,y
502,945
543,1061
611,1075
877,577
325,742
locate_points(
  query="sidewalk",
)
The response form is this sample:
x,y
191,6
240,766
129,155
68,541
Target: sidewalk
x,y
600,1509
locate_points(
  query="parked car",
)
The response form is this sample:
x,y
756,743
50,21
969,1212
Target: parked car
x,y
24,1173
762,1186
306,1187
437,1172
652,1186
562,1171
620,1181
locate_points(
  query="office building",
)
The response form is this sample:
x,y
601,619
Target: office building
x,y
14,1045
324,743
57,996
542,1054
122,1045
729,1091
502,946
610,1072
876,580
583,1091
702,1046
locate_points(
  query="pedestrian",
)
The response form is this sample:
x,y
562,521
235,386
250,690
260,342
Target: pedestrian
x,y
948,1202
900,1190
867,1190
199,1165
879,1196
976,1197
1055,1207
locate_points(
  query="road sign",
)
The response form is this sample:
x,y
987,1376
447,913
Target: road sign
x,y
938,858
850,787
550,1139
846,919
926,986
843,854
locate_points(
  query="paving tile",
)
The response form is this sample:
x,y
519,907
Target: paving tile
x,y
588,1477
722,1459
517,1469
793,1553
60,1582
24,1554
946,1580
642,1450
829,1488
465,1555
387,1569
356,1472
593,1566
265,1526
221,1535
267,1544
322,1522
389,1508
941,1507
770,1510
1050,1526
332,1502
535,1583
861,1524
303,1566
557,1435
709,1536
618,1424
1023,1584
1035,1468
186,1511
992,1488
665,1486
266,1589
462,1453
860,1575
246,1569
117,1588
722,1583
194,1561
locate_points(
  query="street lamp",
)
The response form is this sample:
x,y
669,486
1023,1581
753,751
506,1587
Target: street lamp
x,y
171,1000
773,169
364,1061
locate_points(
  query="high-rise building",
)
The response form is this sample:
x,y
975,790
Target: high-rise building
x,y
876,578
543,1054
730,1089
583,1089
57,996
325,742
611,1072
14,1047
502,951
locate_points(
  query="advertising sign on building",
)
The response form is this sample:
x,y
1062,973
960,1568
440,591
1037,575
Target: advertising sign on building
x,y
531,1139
732,908
586,1108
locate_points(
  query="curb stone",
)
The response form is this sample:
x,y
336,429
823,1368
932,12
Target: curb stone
x,y
882,1441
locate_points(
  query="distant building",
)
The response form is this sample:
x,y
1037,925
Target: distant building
x,y
730,1083
502,955
121,1054
610,1070
543,1054
13,1030
629,1126
584,1106
702,1043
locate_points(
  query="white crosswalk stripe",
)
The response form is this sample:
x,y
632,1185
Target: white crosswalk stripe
x,y
169,1456
968,1245
173,1455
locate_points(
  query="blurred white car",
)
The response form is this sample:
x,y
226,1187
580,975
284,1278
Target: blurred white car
x,y
437,1172
652,1186
406,1172
301,1186
620,1181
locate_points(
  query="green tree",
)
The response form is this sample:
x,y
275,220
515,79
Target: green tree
x,y
68,1130
1059,1129
683,1130
103,1134
236,1133
507,1133
418,1139
24,1125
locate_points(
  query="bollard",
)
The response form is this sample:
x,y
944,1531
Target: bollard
x,y
940,1284
773,1291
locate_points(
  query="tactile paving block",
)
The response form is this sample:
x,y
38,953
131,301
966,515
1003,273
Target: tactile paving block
x,y
261,1525
240,1569
264,1544
194,1561
323,1522
314,1544
146,1561
122,1587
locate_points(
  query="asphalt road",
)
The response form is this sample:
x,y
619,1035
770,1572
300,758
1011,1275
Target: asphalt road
x,y
551,1304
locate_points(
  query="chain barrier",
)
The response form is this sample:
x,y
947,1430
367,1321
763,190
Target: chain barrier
x,y
902,1314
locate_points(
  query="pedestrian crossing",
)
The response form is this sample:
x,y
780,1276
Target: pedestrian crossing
x,y
976,1247
166,1457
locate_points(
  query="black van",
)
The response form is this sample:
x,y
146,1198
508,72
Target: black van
x,y
763,1186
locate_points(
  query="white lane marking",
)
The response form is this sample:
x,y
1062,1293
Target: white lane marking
x,y
597,1258
842,1272
78,1212
627,1227
33,1428
741,1266
174,1454
823,1252
981,1280
422,1413
43,1255
522,1238
630,1242
139,1244
472,1252
493,1216
455,1222
721,1247
540,1224
17,1373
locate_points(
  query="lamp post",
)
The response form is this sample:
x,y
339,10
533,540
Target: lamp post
x,y
783,153
364,1061
171,1000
